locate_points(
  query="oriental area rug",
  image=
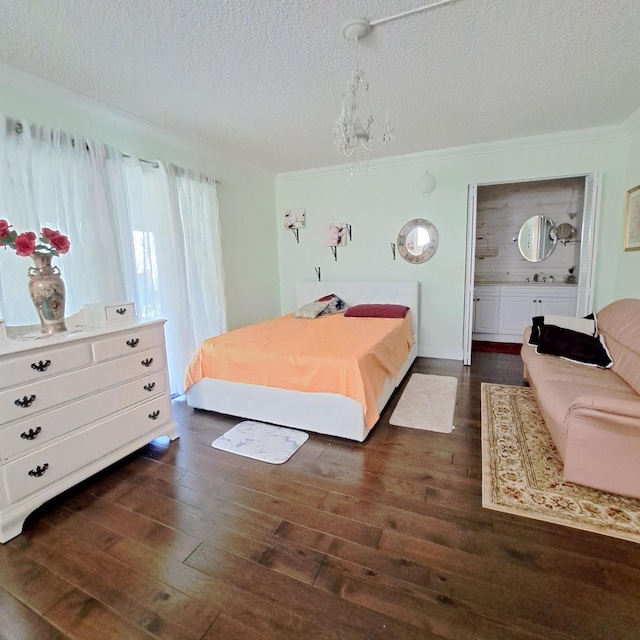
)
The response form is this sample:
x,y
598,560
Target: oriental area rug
x,y
522,471
428,402
261,441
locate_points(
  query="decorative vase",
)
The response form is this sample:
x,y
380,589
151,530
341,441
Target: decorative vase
x,y
47,292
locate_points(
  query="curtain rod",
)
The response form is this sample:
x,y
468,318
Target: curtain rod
x,y
155,165
18,128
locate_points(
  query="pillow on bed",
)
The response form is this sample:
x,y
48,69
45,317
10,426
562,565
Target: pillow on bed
x,y
574,346
586,325
311,310
334,304
377,311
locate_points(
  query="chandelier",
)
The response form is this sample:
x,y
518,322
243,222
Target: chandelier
x,y
356,127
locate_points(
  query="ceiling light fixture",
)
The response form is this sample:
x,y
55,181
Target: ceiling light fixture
x,y
356,126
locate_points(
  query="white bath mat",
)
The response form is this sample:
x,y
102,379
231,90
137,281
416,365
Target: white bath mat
x,y
261,441
427,402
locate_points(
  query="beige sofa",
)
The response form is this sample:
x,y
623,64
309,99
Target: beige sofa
x,y
593,414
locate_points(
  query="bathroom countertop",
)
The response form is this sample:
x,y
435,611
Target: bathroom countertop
x,y
521,283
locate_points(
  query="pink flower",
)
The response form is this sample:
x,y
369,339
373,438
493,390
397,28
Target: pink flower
x,y
59,242
50,241
48,233
25,243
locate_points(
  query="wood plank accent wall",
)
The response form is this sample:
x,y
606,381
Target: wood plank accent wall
x,y
502,209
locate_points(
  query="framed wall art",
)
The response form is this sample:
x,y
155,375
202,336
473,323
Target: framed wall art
x,y
632,223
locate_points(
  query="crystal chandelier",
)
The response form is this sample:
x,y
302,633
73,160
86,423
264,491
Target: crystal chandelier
x,y
356,127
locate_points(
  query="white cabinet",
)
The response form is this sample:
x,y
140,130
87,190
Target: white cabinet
x,y
485,309
505,310
71,404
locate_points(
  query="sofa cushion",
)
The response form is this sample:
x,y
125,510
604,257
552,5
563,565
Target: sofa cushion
x,y
619,323
559,385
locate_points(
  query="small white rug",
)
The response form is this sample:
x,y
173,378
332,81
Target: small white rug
x,y
261,441
427,402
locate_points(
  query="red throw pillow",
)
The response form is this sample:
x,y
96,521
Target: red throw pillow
x,y
377,311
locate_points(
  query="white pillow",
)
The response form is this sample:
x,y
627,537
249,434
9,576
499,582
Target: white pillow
x,y
581,325
311,310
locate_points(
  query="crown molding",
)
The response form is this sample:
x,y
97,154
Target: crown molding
x,y
512,144
116,117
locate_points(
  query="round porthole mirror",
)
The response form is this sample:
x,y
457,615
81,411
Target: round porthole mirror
x,y
537,238
417,241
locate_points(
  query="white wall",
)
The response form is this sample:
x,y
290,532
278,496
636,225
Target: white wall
x,y
246,194
628,267
378,201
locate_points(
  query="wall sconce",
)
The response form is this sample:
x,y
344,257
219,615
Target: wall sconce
x,y
294,220
428,183
317,269
337,234
393,250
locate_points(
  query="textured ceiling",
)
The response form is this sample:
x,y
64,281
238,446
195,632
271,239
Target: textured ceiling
x,y
261,80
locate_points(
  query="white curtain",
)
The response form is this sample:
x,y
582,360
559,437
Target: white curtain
x,y
140,231
176,231
49,178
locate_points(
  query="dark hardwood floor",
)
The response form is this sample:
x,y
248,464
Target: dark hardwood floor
x,y
385,539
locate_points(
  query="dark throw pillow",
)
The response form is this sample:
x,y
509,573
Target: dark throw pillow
x,y
574,346
537,322
334,304
377,311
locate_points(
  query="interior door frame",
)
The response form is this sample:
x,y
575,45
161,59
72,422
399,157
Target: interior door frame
x,y
588,251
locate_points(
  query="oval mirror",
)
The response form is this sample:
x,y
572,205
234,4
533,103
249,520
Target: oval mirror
x,y
537,238
417,241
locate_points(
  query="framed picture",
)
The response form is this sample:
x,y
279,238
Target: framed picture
x,y
632,224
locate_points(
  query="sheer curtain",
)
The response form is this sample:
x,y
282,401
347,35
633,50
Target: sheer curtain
x,y
176,232
50,178
140,231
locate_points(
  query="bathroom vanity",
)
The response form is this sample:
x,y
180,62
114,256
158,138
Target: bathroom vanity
x,y
501,311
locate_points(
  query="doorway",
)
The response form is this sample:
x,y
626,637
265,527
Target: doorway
x,y
499,262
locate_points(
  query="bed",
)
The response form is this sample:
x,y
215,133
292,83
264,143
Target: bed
x,y
329,412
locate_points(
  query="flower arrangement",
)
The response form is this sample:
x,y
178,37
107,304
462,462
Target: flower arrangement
x,y
27,243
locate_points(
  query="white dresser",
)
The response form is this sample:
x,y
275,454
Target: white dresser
x,y
74,403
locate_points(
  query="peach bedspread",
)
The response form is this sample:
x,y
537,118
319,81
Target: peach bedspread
x,y
330,354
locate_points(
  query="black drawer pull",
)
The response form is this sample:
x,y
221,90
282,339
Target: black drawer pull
x,y
154,415
39,470
150,386
25,402
41,366
31,434
121,311
133,343
147,362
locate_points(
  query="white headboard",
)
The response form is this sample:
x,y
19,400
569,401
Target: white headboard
x,y
406,293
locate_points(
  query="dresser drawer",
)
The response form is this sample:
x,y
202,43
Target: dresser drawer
x,y
44,363
22,436
137,339
35,397
120,311
45,466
